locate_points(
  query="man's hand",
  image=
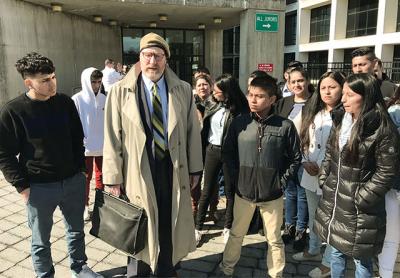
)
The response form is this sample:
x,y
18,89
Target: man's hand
x,y
311,168
194,180
25,194
113,189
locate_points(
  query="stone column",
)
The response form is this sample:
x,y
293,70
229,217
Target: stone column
x,y
260,47
214,51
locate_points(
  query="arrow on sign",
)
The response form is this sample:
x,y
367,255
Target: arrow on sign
x,y
267,25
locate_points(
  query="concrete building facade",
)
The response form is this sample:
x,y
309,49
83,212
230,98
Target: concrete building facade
x,y
73,40
327,31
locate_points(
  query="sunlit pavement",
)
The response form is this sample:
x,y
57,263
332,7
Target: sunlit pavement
x,y
15,259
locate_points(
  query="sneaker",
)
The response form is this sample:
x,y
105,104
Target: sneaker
x,y
86,272
225,233
219,273
87,214
300,241
288,233
305,256
197,235
320,272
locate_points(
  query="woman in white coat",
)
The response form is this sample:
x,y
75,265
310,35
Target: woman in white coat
x,y
314,133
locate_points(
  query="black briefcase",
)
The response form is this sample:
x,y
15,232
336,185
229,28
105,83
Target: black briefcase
x,y
119,223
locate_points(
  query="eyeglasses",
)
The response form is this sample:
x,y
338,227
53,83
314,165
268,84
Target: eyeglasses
x,y
157,56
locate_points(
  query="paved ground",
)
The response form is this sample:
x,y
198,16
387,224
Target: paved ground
x,y
15,260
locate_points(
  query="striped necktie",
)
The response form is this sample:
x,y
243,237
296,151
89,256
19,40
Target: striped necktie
x,y
158,126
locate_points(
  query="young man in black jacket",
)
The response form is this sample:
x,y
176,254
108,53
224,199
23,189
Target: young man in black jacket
x,y
262,153
42,155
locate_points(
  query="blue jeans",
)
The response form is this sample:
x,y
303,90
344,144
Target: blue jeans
x,y
69,195
296,211
314,244
364,268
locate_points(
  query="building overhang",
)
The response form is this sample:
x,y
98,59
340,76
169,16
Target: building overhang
x,y
185,14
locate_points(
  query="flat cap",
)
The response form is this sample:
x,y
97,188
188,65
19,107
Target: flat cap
x,y
154,40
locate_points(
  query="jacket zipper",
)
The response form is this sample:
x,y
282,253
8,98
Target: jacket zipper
x,y
334,206
259,140
355,205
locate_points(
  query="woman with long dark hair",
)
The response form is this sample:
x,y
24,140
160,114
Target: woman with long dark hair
x,y
203,87
227,102
387,259
314,133
360,166
296,212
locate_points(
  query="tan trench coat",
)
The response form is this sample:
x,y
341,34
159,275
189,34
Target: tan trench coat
x,y
125,158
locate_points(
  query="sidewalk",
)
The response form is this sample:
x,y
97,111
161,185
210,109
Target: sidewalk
x,y
15,260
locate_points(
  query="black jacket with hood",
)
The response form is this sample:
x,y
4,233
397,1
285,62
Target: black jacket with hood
x,y
351,214
261,155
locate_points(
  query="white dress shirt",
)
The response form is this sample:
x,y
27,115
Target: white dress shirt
x,y
162,90
217,126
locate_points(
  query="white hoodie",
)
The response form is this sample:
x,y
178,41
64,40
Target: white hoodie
x,y
91,112
110,76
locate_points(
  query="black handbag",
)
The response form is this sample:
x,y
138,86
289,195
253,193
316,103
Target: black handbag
x,y
119,223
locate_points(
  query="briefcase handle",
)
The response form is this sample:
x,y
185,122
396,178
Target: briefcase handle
x,y
122,196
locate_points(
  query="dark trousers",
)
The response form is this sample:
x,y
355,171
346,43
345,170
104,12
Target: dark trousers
x,y
163,188
195,194
213,164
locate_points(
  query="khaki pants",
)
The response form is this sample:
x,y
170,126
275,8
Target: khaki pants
x,y
272,215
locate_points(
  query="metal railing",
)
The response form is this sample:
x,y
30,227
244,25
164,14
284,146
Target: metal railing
x,y
315,70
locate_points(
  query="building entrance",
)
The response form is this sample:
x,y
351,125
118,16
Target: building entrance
x,y
186,46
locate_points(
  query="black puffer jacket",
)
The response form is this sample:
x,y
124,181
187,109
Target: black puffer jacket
x,y
351,214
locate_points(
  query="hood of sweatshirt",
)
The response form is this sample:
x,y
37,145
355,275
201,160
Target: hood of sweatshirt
x,y
90,108
87,91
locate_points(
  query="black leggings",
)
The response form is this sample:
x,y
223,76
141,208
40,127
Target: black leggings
x,y
213,164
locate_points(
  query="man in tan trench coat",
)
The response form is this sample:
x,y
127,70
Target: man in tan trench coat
x,y
152,150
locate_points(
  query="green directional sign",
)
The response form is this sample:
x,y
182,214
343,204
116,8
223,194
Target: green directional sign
x,y
267,22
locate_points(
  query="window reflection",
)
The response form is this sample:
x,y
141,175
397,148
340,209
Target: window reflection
x,y
319,23
361,18
231,51
186,47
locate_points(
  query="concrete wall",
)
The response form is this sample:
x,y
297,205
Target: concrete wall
x,y
71,42
214,51
260,47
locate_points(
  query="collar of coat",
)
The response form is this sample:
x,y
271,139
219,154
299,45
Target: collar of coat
x,y
130,80
262,121
371,120
212,106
